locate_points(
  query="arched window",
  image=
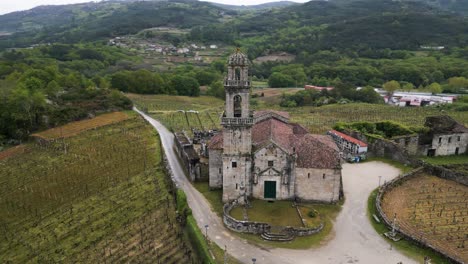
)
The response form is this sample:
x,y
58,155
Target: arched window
x,y
237,106
238,73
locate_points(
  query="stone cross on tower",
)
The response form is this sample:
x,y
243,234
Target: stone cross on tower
x,y
237,122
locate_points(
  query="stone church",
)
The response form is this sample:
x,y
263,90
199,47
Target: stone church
x,y
263,155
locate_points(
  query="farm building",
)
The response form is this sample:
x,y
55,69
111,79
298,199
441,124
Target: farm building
x,y
263,155
446,137
188,155
348,144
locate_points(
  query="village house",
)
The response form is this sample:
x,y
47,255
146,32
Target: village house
x,y
265,156
348,144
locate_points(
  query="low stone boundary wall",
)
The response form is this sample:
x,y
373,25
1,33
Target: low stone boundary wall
x,y
259,227
302,231
388,222
447,174
242,226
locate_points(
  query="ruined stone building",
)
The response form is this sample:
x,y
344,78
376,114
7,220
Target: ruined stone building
x,y
446,137
263,155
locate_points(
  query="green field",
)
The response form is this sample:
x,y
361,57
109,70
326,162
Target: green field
x,y
447,160
316,119
100,196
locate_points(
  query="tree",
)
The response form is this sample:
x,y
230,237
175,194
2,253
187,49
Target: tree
x,y
216,89
368,95
206,77
435,88
391,87
280,80
457,83
407,87
185,85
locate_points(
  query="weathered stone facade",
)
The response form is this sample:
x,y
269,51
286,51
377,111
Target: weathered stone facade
x,y
446,137
322,185
448,144
263,155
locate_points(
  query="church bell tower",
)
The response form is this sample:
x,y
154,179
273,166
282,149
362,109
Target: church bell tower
x,y
237,122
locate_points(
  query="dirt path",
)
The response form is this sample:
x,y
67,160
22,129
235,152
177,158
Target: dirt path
x,y
355,240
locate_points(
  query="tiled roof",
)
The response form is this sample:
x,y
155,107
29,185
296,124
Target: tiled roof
x,y
313,151
266,112
348,138
272,130
216,141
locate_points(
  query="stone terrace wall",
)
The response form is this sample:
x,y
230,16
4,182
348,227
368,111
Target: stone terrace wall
x,y
388,222
298,232
242,226
447,174
260,228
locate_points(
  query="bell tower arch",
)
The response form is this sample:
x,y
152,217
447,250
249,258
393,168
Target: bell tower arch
x,y
237,123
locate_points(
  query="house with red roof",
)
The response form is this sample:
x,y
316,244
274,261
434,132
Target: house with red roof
x,y
348,144
265,156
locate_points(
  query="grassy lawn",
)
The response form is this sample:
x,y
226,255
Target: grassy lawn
x,y
277,213
406,247
214,197
447,160
404,168
327,213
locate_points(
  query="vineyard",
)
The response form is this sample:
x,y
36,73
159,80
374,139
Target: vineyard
x,y
321,119
103,200
182,112
74,128
432,209
316,119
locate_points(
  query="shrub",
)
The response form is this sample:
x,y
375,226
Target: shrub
x,y
311,214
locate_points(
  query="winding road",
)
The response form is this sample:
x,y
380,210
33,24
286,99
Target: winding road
x,y
355,241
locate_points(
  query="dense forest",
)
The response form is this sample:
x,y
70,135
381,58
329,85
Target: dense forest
x,y
56,66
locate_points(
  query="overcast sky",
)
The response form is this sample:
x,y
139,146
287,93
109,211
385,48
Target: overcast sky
x,y
7,6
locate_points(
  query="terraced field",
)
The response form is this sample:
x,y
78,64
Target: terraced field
x,y
101,196
434,210
74,128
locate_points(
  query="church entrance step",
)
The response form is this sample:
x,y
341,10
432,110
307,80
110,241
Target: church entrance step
x,y
276,237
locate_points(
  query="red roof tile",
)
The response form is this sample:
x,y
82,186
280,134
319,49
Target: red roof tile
x,y
313,151
349,138
216,141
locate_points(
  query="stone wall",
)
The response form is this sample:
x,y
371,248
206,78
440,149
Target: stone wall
x,y
260,228
236,176
216,168
447,174
188,156
242,226
388,222
319,185
447,144
302,231
409,143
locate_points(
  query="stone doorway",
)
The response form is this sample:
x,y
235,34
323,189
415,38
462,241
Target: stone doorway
x,y
431,153
269,191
